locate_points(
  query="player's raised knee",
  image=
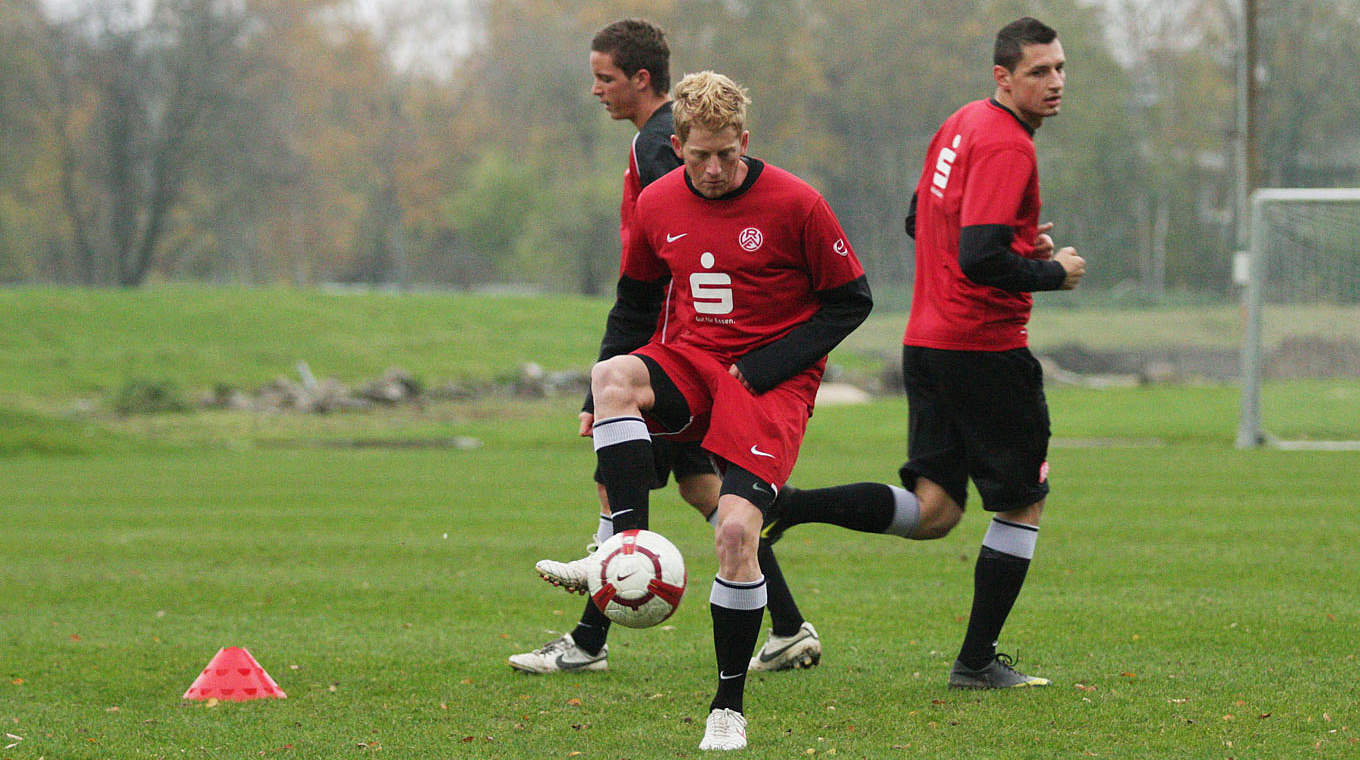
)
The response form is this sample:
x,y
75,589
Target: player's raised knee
x,y
618,381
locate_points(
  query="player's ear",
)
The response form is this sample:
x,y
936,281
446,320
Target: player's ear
x,y
1002,75
745,140
676,146
642,80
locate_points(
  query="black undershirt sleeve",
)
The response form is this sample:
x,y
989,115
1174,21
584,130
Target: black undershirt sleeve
x,y
985,256
843,309
911,218
631,321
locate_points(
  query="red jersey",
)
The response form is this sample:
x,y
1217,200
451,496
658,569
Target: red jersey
x,y
980,170
744,268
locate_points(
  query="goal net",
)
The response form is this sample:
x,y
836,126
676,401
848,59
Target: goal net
x,y
1301,347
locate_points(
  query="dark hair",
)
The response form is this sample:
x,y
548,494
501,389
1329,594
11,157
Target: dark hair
x,y
635,45
1013,37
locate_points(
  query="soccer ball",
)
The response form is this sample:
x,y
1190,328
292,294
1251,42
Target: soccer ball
x,y
637,578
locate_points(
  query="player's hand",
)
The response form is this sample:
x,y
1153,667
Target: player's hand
x,y
735,371
1043,243
1074,265
587,424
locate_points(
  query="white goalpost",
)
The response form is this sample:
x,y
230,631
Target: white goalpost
x,y
1302,302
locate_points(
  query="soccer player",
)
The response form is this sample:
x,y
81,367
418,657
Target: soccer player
x,y
630,66
974,392
764,284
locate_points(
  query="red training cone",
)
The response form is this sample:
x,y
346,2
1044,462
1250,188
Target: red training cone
x,y
233,675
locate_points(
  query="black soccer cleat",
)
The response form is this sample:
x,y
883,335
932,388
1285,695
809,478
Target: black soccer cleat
x,y
773,525
1000,673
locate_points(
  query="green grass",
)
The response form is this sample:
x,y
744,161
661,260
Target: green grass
x,y
1185,597
60,343
1188,600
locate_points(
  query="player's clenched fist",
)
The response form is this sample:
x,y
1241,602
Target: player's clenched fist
x,y
1073,264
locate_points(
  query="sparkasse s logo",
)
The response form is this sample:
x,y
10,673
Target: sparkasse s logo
x,y
751,239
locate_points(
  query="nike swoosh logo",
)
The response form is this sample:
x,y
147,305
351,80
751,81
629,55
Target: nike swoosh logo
x,y
725,677
759,487
672,238
760,453
763,657
630,574
564,664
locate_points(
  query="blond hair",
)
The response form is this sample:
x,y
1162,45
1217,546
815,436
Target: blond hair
x,y
710,100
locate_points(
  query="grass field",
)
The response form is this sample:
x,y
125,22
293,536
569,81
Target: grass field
x,y
1187,599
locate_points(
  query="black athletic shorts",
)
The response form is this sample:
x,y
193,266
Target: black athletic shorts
x,y
683,458
979,415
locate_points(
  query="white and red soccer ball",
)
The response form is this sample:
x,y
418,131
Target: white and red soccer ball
x,y
637,578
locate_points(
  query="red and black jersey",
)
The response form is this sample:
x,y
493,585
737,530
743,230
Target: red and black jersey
x,y
763,277
650,158
976,219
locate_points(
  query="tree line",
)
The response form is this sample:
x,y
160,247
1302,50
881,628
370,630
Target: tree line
x,y
457,145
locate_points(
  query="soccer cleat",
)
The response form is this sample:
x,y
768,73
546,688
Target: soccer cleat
x,y
726,729
772,526
1000,673
801,650
559,656
569,576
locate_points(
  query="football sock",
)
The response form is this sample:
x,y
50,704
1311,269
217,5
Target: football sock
x,y
623,448
1001,566
592,630
865,507
606,528
785,619
737,610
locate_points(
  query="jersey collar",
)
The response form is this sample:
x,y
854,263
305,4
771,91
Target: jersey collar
x,y
1016,116
754,166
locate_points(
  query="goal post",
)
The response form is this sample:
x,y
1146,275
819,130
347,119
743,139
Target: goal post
x,y
1302,282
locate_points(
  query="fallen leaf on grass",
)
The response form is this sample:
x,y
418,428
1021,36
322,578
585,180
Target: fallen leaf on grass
x,y
1178,700
18,682
574,701
1084,687
1263,716
1126,674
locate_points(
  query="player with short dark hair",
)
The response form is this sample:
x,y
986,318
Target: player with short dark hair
x,y
629,61
975,393
764,285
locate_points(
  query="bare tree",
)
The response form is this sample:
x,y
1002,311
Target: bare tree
x,y
136,99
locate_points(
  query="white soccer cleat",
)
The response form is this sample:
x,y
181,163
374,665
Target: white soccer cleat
x,y
569,576
801,650
726,729
559,656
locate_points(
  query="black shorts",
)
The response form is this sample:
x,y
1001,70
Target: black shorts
x,y
683,459
979,415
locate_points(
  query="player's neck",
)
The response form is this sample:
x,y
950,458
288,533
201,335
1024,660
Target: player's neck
x,y
1004,98
648,107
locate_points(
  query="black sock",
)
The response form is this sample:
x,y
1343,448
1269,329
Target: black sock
x,y
997,579
592,630
737,610
785,619
865,507
623,449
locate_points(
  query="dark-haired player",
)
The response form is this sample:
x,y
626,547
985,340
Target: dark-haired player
x,y
975,393
630,69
